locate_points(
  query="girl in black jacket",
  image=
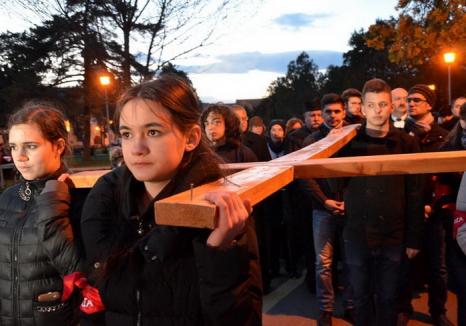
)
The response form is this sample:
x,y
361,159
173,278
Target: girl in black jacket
x,y
36,239
222,128
149,274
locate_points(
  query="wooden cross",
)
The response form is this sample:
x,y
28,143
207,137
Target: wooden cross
x,y
256,181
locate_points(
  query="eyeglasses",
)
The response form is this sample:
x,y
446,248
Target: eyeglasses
x,y
415,99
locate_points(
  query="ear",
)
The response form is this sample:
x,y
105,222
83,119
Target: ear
x,y
193,138
60,144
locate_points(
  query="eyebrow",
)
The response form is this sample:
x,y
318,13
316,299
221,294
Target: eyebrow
x,y
148,125
24,144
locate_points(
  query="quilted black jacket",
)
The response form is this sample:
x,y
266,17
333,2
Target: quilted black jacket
x,y
37,248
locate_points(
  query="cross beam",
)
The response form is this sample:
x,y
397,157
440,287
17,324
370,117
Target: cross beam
x,y
256,181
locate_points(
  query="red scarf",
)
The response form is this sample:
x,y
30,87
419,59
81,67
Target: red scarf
x,y
92,302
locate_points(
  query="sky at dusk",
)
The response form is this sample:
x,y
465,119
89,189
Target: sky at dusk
x,y
253,46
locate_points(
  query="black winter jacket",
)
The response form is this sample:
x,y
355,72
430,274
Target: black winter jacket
x,y
383,210
231,153
166,275
37,249
328,188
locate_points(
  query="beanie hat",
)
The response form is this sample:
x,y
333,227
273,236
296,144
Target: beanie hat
x,y
279,122
424,90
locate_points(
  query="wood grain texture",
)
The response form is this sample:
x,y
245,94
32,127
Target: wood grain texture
x,y
382,165
87,179
254,184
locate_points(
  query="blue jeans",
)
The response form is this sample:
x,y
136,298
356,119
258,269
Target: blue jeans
x,y
374,276
327,235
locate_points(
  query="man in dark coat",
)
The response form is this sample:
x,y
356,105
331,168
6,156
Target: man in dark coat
x,y
383,214
421,124
328,218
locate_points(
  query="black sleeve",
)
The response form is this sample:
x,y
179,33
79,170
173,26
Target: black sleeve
x,y
55,229
98,221
414,201
229,280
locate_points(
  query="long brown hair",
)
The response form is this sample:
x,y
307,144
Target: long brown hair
x,y
47,116
180,100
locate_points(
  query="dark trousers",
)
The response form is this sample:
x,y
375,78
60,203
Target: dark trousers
x,y
436,266
374,274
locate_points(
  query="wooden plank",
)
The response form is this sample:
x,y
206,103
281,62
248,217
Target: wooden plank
x,y
190,209
87,179
323,148
382,165
326,147
255,183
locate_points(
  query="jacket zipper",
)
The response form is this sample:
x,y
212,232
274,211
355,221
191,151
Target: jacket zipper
x,y
15,260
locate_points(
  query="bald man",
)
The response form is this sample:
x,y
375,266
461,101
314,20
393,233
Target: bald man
x,y
400,107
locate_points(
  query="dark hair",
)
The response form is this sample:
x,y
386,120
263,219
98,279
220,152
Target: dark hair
x,y
350,92
291,122
256,121
331,98
274,122
232,124
376,85
47,116
180,100
175,95
463,111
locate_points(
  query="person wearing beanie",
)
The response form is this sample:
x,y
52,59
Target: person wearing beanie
x,y
422,125
421,122
275,137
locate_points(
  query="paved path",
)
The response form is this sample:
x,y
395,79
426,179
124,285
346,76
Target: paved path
x,y
290,303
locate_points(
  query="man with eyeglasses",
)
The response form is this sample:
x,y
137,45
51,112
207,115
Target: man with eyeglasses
x,y
421,124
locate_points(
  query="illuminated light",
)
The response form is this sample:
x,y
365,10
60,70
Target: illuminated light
x,y
104,80
67,125
449,57
432,87
97,128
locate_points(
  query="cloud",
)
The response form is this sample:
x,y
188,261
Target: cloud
x,y
298,20
271,62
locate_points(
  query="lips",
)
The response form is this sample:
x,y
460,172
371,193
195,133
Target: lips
x,y
141,163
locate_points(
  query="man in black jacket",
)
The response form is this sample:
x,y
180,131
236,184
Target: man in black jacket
x,y
383,214
421,123
328,216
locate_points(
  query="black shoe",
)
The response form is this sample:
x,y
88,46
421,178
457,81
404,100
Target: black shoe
x,y
325,319
441,320
403,319
350,316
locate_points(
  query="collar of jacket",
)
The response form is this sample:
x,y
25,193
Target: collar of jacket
x,y
202,168
37,185
392,135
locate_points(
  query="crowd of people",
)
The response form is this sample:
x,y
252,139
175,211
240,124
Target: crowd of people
x,y
98,257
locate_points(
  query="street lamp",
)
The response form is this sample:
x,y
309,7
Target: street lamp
x,y
105,81
449,58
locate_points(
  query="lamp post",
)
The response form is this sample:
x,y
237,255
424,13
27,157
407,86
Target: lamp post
x,y
105,81
449,58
